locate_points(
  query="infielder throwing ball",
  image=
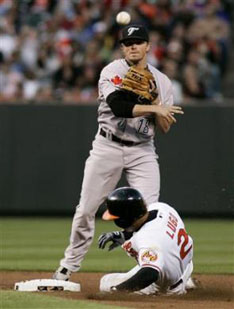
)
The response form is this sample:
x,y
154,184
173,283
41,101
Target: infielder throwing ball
x,y
156,238
134,97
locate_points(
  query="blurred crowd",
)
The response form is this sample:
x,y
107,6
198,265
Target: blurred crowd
x,y
54,50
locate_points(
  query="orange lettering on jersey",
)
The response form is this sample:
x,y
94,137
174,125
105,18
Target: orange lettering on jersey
x,y
173,219
171,235
172,225
127,246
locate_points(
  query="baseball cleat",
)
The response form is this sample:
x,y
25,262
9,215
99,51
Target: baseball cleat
x,y
192,284
62,273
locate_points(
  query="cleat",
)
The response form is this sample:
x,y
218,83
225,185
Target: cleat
x,y
192,284
62,273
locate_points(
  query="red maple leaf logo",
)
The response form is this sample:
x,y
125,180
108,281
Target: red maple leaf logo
x,y
116,80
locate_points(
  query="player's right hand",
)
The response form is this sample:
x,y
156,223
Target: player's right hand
x,y
168,111
117,238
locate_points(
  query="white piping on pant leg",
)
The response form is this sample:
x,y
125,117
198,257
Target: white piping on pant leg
x,y
181,289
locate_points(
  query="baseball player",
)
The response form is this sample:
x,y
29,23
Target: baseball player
x,y
134,98
156,238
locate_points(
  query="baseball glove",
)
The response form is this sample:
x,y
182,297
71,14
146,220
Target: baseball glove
x,y
140,81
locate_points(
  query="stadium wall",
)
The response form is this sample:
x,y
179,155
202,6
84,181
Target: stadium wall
x,y
43,151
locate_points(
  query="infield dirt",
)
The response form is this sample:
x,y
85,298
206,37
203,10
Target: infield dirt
x,y
215,291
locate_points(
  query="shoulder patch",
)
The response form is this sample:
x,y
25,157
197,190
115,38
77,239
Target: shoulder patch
x,y
117,80
149,256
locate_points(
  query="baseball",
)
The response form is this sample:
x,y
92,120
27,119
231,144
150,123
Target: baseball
x,y
123,18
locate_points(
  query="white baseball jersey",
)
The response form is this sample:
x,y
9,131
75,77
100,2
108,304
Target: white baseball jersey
x,y
162,244
138,129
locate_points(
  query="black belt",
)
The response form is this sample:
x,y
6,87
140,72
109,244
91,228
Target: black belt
x,y
175,284
114,138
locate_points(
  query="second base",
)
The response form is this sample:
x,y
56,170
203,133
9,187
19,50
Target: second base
x,y
47,285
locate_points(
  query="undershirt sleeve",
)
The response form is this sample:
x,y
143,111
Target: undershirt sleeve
x,y
122,103
143,278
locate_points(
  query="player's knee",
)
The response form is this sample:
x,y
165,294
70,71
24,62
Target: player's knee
x,y
85,212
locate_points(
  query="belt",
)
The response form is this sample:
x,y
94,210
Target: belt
x,y
175,284
115,138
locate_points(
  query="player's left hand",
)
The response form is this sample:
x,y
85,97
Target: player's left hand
x,y
153,91
141,82
117,238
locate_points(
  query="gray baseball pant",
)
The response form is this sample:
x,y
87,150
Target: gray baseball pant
x,y
102,172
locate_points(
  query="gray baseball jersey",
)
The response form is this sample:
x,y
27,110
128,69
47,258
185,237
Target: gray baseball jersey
x,y
108,159
137,129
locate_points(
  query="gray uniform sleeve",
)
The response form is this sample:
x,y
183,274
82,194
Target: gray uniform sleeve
x,y
168,99
106,86
121,123
164,87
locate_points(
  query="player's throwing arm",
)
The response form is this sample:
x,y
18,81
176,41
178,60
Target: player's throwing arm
x,y
165,111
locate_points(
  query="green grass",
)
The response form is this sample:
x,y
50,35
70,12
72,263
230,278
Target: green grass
x,y
38,244
25,300
213,245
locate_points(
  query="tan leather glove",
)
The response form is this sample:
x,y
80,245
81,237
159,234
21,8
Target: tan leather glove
x,y
140,82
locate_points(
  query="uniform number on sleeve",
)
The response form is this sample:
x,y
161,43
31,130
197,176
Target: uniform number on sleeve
x,y
183,240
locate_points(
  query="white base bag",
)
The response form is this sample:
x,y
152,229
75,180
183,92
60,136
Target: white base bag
x,y
43,285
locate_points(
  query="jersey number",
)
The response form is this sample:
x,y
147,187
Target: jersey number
x,y
183,235
144,126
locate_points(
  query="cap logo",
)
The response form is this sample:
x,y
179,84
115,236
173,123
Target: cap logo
x,y
132,29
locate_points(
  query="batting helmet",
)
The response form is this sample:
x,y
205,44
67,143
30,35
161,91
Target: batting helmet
x,y
125,205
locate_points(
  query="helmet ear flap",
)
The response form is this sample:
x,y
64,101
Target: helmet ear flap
x,y
123,223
